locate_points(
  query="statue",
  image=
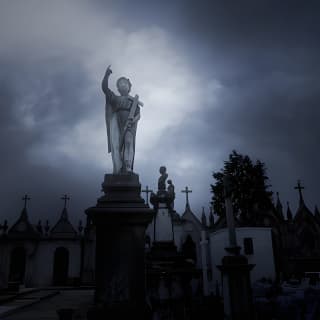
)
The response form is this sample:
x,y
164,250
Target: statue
x,y
171,193
122,116
162,178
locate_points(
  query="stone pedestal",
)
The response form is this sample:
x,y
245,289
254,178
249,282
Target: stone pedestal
x,y
237,293
121,217
204,248
163,227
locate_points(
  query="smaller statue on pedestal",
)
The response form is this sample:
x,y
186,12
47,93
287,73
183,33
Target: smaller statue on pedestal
x,y
162,178
171,194
164,194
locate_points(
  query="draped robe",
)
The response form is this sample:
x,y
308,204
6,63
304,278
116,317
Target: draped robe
x,y
116,112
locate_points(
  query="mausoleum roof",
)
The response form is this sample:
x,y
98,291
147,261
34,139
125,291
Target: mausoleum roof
x,y
303,212
63,228
279,208
190,216
22,228
289,213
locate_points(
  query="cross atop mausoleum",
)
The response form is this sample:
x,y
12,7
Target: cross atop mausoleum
x,y
299,187
147,191
187,191
26,198
65,198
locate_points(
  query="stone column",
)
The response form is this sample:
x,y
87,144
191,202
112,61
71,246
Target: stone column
x,y
204,245
237,293
163,222
121,217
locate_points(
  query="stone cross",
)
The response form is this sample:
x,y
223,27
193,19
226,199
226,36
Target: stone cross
x,y
229,215
147,191
65,198
187,191
132,99
299,187
25,199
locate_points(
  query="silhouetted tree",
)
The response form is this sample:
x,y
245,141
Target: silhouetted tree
x,y
249,186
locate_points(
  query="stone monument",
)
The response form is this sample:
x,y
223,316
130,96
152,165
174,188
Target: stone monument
x,y
169,272
122,115
237,294
163,203
120,215
171,194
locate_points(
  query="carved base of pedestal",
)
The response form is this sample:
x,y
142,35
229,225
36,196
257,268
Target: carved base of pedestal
x,y
121,218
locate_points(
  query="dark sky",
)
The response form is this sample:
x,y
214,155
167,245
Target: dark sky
x,y
214,76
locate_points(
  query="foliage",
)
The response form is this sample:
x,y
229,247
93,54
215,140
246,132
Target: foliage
x,y
249,186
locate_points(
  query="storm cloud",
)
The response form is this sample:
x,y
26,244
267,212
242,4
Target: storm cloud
x,y
213,75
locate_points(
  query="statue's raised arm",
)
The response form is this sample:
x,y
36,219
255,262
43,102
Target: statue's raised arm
x,y
122,116
105,83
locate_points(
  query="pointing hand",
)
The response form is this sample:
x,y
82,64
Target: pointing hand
x,y
108,71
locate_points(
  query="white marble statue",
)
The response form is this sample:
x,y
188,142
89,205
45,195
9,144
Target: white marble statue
x,y
122,116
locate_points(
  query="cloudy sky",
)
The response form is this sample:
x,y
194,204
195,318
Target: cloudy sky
x,y
213,75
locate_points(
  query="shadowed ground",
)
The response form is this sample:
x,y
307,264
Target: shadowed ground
x,y
79,300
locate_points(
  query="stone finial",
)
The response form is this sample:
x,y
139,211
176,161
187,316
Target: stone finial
x,y
289,213
203,218
279,208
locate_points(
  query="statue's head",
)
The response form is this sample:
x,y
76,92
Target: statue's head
x,y
124,86
169,181
162,170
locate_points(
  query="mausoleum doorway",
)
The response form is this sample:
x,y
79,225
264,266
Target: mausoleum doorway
x,y
60,267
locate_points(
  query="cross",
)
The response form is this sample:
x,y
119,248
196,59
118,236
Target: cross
x,y
300,188
233,247
139,102
186,191
147,191
65,198
25,199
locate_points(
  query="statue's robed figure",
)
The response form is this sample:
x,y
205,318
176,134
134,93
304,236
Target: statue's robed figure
x,y
122,115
